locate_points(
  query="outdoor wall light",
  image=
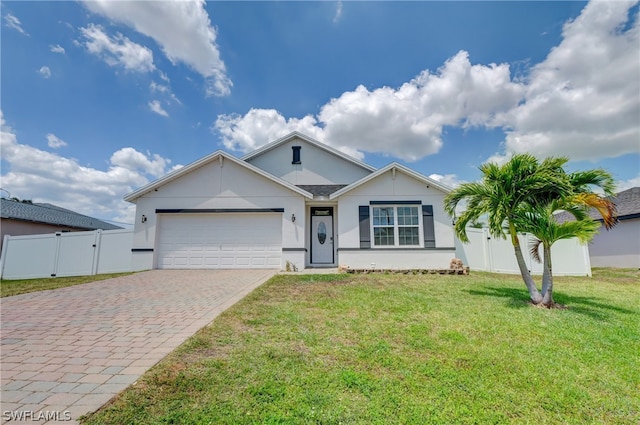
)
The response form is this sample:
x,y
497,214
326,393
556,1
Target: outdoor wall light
x,y
293,218
144,218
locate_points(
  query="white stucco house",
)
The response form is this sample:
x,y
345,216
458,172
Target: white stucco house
x,y
294,203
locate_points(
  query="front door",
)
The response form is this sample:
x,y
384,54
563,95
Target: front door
x,y
321,235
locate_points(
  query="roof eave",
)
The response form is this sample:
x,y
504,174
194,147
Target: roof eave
x,y
428,181
133,196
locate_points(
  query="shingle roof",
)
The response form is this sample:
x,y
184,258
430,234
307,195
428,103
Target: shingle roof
x,y
50,214
627,203
321,189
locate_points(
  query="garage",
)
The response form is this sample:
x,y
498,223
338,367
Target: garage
x,y
219,241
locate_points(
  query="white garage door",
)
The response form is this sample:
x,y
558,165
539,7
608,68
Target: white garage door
x,y
220,241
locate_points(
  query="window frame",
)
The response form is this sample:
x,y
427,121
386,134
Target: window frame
x,y
395,226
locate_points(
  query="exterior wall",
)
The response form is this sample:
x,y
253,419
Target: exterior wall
x,y
19,227
218,186
293,260
619,247
388,188
393,259
317,165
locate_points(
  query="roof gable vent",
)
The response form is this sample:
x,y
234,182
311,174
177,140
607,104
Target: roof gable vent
x,y
296,155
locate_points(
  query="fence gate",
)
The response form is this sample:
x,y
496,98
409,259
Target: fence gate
x,y
66,254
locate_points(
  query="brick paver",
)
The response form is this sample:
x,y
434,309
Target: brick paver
x,y
66,352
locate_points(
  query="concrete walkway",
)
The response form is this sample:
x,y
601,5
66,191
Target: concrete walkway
x,y
67,352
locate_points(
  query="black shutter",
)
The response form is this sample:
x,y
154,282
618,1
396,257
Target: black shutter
x,y
427,226
365,228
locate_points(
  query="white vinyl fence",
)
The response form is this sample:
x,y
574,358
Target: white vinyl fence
x,y
66,254
485,253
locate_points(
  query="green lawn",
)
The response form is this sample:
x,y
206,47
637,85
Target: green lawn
x,y
381,349
23,286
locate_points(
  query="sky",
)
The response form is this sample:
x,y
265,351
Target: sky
x,y
99,98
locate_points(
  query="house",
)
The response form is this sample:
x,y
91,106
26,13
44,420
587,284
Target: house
x,y
292,204
26,218
620,246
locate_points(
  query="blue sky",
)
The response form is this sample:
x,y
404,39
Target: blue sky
x,y
99,98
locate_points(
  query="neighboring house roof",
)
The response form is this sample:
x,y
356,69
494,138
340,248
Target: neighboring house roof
x,y
319,145
215,156
627,204
50,214
390,167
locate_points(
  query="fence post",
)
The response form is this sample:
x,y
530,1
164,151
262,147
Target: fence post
x,y
5,245
56,255
486,250
587,258
97,241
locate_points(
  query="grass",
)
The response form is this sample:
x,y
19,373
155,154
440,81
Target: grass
x,y
9,288
380,349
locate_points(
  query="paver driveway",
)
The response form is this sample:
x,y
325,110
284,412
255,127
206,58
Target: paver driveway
x,y
66,352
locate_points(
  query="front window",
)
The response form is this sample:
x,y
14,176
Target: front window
x,y
396,226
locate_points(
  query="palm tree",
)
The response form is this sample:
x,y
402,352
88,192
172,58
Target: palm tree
x,y
502,193
539,220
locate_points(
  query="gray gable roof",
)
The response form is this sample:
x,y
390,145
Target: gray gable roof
x,y
50,214
627,203
321,189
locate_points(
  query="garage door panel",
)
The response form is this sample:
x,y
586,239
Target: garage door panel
x,y
220,241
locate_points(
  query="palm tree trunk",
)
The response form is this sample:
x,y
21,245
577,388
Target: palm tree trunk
x,y
534,294
547,278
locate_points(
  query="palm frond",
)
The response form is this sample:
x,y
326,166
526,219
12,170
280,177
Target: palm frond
x,y
605,207
583,180
584,230
534,250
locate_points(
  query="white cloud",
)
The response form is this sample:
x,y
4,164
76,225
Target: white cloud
x,y
54,141
406,122
48,177
191,38
164,89
117,50
157,108
131,159
258,127
155,87
450,180
627,184
338,14
13,22
44,71
583,100
57,49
